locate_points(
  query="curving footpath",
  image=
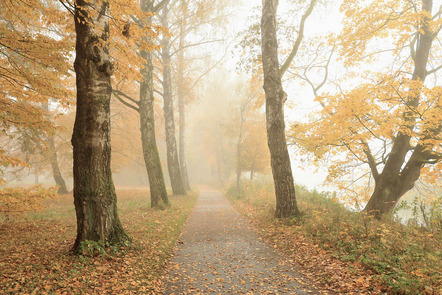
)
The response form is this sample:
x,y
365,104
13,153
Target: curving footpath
x,y
220,253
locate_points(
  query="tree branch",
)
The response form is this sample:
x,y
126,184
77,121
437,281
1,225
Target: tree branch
x,y
208,70
434,70
158,92
371,160
118,95
160,5
298,41
194,44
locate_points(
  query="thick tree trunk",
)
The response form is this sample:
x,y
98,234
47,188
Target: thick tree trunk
x,y
152,160
275,96
94,192
182,114
395,181
173,164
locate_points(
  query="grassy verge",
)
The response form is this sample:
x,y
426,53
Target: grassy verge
x,y
34,249
348,251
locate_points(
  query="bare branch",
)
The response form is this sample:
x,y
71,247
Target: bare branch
x,y
298,41
158,92
434,70
208,70
118,95
194,45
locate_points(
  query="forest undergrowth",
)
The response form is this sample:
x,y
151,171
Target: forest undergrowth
x,y
347,251
35,249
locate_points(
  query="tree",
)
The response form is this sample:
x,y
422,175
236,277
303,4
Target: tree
x,y
173,164
255,152
34,64
247,127
95,199
396,178
275,97
211,15
392,122
244,107
52,155
145,105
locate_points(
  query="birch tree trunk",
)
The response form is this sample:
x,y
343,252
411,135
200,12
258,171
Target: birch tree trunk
x,y
182,113
94,192
275,97
152,160
173,164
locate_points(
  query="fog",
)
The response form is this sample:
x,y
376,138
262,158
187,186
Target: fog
x,y
217,81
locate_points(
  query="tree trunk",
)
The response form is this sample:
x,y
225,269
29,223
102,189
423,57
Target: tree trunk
x,y
238,158
394,181
36,177
173,164
275,96
239,146
182,114
152,160
59,180
95,199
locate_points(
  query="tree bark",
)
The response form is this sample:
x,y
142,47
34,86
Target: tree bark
x,y
173,164
275,97
152,160
95,199
394,181
182,113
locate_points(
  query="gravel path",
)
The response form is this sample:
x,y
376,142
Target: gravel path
x,y
219,253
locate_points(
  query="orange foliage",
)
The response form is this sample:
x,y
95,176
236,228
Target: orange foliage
x,y
357,127
16,201
36,42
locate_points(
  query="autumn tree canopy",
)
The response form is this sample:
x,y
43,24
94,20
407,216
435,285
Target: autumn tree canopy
x,y
35,49
388,122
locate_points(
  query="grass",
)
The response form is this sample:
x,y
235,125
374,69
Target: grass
x,y
35,249
350,252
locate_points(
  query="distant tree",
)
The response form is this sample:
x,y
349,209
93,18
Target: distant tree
x,y
191,65
255,152
247,127
53,158
94,192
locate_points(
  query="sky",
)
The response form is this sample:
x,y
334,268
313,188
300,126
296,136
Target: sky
x,y
327,19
